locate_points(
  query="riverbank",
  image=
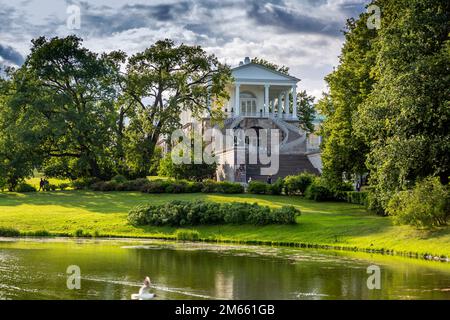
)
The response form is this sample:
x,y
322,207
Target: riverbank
x,y
322,225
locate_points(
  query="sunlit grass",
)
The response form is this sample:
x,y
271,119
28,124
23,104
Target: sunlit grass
x,y
330,223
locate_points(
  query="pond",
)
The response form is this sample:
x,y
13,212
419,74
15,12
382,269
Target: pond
x,y
114,269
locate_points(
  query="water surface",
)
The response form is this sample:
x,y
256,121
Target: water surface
x,y
114,269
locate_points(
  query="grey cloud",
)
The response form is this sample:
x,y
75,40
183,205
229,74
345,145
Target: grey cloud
x,y
289,20
9,54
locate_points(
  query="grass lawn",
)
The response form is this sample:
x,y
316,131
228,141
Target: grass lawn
x,y
337,224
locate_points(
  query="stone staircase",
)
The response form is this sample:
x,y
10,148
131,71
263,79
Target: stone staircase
x,y
289,164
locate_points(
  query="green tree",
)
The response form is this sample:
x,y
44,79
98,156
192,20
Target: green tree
x,y
306,111
405,119
349,85
18,157
164,80
68,94
270,65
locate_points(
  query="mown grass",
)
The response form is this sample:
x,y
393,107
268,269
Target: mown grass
x,y
105,214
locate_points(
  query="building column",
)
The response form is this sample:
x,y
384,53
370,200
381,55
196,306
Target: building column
x,y
286,104
237,99
280,105
294,102
266,98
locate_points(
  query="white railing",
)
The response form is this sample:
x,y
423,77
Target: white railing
x,y
260,114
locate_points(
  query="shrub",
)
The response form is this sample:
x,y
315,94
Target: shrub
x,y
63,186
105,186
193,187
52,187
228,187
374,204
276,188
187,235
285,215
79,233
319,191
298,184
181,213
119,179
9,232
357,197
39,233
25,187
155,186
257,187
211,186
83,183
426,205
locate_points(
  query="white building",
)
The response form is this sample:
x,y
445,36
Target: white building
x,y
262,98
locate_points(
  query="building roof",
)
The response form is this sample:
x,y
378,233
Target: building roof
x,y
271,74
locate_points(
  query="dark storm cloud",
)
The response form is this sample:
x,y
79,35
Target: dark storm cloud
x,y
105,20
11,55
269,14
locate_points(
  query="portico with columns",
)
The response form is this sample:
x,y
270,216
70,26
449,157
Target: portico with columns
x,y
258,91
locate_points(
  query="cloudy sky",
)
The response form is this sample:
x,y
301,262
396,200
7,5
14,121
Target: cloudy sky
x,y
304,35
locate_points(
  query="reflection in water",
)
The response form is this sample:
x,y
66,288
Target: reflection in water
x,y
113,269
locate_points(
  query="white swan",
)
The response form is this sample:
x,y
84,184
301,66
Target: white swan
x,y
144,293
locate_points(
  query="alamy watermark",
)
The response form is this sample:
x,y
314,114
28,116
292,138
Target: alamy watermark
x,y
248,146
73,21
374,280
74,277
374,20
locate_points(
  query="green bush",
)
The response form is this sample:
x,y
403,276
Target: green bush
x,y
357,197
187,235
257,187
119,179
285,215
374,204
228,187
183,213
9,232
426,205
319,191
298,184
52,187
83,183
276,188
63,186
25,187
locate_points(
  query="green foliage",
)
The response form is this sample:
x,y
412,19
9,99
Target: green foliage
x,y
298,184
187,235
9,232
357,197
276,188
189,171
426,205
318,190
350,84
178,77
63,186
257,187
180,213
306,111
83,183
211,186
119,179
25,187
270,65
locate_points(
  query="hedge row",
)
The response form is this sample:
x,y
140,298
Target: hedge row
x,y
182,213
168,186
357,197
